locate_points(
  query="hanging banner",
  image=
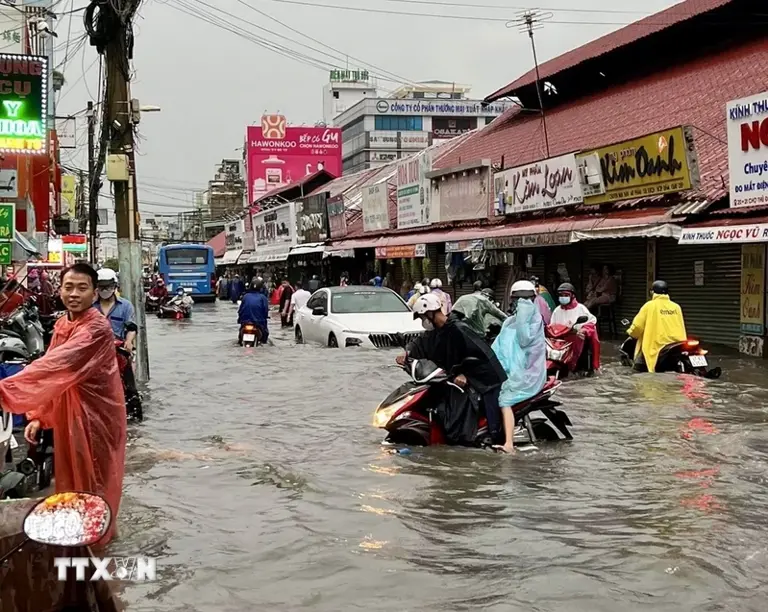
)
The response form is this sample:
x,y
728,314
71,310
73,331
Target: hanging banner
x,y
401,252
546,184
747,128
414,192
656,164
69,196
752,289
375,207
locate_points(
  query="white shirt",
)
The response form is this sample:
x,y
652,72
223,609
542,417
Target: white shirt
x,y
300,298
568,317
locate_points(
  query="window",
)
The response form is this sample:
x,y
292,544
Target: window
x,y
352,129
186,257
399,124
336,94
349,302
319,299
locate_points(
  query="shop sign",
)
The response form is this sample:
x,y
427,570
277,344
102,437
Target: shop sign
x,y
751,345
385,156
68,194
529,240
462,196
375,207
383,140
747,127
312,219
348,76
728,234
414,191
752,289
275,226
12,27
462,246
55,248
7,228
550,183
401,252
435,108
233,237
337,217
657,164
9,183
23,103
414,140
72,243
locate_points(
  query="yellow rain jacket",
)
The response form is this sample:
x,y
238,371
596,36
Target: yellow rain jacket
x,y
659,323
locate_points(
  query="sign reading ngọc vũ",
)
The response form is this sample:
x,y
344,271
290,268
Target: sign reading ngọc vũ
x,y
23,103
656,164
727,234
752,289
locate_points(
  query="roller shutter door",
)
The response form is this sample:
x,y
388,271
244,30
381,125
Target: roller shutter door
x,y
712,311
628,257
503,283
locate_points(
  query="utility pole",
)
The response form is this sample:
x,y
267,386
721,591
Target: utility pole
x,y
119,120
529,22
93,192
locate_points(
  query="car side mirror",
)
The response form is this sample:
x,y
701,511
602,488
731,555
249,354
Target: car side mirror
x,y
319,311
581,319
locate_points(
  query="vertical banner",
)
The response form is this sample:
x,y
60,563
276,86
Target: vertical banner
x,y
752,299
650,265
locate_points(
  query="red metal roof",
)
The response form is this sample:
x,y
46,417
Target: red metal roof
x,y
619,38
218,243
690,94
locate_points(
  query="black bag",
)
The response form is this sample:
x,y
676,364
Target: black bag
x,y
458,414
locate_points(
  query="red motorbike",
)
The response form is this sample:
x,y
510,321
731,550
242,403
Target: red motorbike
x,y
567,352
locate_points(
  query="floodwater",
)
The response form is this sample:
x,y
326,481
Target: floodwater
x,y
259,483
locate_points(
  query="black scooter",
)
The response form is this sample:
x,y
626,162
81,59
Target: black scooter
x,y
686,357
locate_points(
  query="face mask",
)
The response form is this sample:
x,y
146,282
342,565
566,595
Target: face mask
x,y
105,294
564,300
427,324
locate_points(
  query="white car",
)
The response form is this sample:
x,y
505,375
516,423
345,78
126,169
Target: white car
x,y
355,316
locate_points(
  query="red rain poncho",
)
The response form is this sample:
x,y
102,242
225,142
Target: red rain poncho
x,y
75,389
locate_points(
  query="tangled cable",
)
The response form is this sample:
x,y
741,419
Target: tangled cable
x,y
101,26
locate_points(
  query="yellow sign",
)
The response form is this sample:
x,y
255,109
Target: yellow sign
x,y
69,195
752,289
660,163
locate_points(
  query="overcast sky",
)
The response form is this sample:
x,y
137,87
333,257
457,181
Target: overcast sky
x,y
212,83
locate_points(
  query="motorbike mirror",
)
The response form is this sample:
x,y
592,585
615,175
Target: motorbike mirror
x,y
68,519
582,319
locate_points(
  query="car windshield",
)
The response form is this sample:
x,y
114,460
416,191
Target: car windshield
x,y
353,302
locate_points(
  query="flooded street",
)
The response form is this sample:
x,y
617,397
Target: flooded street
x,y
259,483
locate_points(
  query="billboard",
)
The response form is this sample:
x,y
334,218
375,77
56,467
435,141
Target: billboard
x,y
312,219
747,128
23,103
279,154
375,207
414,192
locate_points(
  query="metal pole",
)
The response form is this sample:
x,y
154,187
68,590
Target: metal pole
x,y
93,192
529,22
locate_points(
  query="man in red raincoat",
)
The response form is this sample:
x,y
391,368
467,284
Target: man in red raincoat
x,y
75,389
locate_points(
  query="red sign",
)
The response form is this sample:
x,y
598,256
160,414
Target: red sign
x,y
280,154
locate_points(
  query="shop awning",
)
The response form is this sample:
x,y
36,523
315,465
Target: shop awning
x,y
217,261
269,254
348,253
244,256
25,243
231,257
307,249
661,230
632,222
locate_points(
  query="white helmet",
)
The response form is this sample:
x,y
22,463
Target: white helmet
x,y
426,303
523,289
436,283
106,275
418,288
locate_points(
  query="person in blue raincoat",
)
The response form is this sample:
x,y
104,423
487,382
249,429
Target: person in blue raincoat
x,y
254,309
522,351
236,288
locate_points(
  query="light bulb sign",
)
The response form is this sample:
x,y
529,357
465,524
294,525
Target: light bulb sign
x,y
23,103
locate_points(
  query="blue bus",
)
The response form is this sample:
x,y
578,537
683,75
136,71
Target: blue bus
x,y
190,266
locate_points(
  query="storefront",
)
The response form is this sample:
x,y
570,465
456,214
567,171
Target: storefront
x,y
402,266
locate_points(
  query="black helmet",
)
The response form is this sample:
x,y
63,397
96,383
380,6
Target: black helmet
x,y
660,287
477,286
566,288
487,292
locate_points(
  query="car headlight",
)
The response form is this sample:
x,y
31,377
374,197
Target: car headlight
x,y
384,415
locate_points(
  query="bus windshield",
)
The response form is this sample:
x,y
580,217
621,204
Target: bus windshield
x,y
182,257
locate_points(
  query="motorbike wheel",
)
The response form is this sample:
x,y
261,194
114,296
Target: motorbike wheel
x,y
45,473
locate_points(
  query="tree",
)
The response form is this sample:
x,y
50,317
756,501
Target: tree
x,y
112,263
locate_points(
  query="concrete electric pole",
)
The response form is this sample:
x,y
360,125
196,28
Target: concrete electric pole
x,y
93,191
121,162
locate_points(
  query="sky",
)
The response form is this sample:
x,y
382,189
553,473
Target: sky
x,y
211,81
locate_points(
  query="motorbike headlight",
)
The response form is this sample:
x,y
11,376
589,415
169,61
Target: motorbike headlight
x,y
383,415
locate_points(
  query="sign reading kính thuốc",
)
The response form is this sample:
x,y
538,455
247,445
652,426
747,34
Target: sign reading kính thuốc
x,y
23,103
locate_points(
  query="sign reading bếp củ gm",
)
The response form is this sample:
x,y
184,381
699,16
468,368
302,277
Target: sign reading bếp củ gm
x,y
656,164
23,103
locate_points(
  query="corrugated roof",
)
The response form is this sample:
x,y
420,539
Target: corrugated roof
x,y
610,42
218,243
694,94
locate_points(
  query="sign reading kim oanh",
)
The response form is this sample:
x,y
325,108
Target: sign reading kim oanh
x,y
23,103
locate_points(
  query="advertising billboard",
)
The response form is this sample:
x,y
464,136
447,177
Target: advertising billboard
x,y
274,232
747,127
312,219
279,154
23,103
414,192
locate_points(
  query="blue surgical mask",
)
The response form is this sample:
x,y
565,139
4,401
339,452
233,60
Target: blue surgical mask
x,y
564,300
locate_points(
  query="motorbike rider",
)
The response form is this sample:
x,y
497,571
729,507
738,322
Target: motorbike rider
x,y
159,291
418,290
254,309
118,310
447,342
522,350
571,309
541,302
436,287
181,299
658,324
